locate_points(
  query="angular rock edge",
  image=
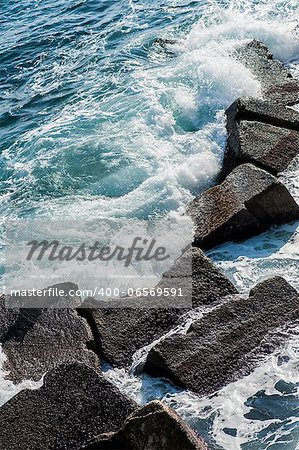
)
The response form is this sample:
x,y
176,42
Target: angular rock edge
x,y
277,119
74,404
36,340
153,426
267,115
216,349
248,202
262,133
77,408
118,333
276,81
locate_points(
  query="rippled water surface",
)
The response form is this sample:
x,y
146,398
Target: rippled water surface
x,y
116,108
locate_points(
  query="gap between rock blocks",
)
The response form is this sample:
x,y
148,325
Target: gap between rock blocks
x,y
77,409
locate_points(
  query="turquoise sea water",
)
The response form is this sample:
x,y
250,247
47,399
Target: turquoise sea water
x,y
116,109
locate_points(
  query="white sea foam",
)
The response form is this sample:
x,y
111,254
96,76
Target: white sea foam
x,y
228,406
235,28
144,149
7,388
159,136
275,252
226,409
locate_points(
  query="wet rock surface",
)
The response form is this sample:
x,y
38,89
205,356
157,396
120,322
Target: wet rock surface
x,y
263,133
120,332
249,201
36,340
249,108
74,404
260,132
277,82
151,427
266,146
216,348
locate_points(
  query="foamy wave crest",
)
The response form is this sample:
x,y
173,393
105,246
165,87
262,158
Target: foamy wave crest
x,y
232,28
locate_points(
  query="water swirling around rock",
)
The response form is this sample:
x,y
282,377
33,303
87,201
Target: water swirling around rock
x,y
100,118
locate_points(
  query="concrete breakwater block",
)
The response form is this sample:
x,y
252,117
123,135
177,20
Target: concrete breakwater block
x,y
249,201
249,108
151,427
268,147
261,133
276,81
74,404
77,408
215,349
119,332
36,340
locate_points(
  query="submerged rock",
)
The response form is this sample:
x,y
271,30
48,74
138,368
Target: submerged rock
x,y
276,81
74,404
261,133
36,340
119,332
249,201
151,427
216,348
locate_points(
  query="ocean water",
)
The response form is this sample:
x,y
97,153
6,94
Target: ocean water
x,y
100,118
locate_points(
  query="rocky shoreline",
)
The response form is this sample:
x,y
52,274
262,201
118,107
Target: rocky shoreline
x,y
77,408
